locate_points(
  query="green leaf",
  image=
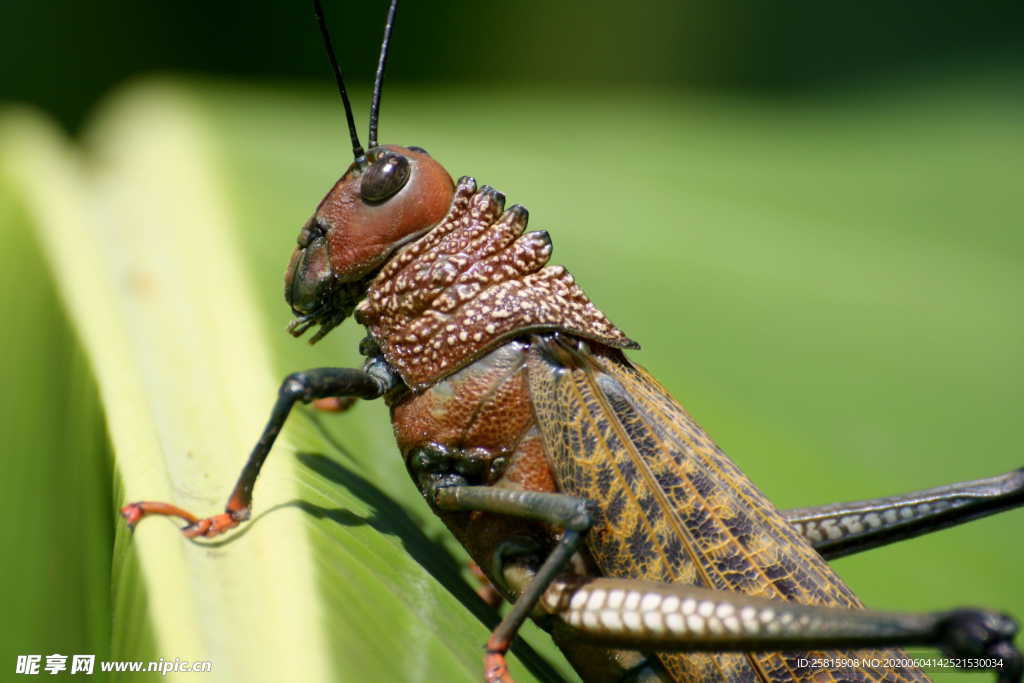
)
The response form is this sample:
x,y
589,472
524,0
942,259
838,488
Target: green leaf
x,y
55,489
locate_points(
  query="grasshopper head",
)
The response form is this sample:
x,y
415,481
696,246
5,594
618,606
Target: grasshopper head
x,y
392,197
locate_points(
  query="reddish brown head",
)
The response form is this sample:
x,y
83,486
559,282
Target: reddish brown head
x,y
395,196
390,195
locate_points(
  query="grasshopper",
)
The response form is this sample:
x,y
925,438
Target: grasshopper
x,y
587,495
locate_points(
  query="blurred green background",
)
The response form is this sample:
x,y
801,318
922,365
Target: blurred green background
x,y
809,215
63,55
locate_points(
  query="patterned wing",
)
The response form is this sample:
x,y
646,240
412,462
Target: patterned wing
x,y
673,507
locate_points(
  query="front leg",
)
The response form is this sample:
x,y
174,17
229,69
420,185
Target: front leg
x,y
300,386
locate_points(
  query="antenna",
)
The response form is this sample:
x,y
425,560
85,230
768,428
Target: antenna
x,y
379,80
357,148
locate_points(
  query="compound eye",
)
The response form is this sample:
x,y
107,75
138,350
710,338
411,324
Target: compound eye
x,y
385,177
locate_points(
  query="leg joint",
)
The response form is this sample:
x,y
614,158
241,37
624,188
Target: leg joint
x,y
295,387
322,382
581,517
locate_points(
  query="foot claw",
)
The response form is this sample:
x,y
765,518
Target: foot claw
x,y
496,669
132,513
1012,669
975,633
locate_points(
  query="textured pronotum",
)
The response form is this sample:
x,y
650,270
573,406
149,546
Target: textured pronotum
x,y
472,281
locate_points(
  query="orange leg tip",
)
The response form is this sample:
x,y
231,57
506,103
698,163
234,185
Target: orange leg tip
x,y
496,669
490,595
207,527
334,404
486,590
